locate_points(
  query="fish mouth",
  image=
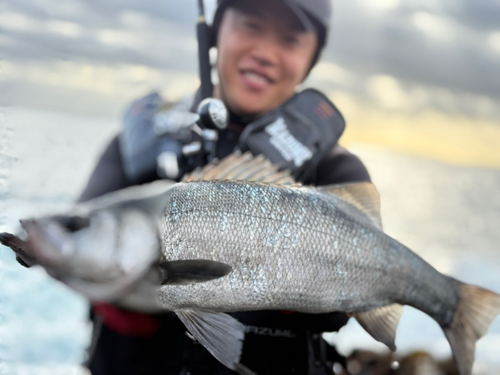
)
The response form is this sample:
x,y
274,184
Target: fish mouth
x,y
47,240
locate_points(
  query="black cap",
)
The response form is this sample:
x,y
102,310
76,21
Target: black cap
x,y
308,11
315,15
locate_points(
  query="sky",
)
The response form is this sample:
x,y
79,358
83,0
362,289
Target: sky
x,y
419,77
389,60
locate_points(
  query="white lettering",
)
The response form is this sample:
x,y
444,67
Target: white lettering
x,y
288,146
273,332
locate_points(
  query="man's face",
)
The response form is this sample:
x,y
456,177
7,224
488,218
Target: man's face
x,y
264,53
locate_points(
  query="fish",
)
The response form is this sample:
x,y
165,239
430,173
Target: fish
x,y
93,247
80,248
272,244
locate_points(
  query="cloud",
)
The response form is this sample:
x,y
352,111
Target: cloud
x,y
450,138
390,95
347,103
88,88
157,44
394,96
331,72
17,22
436,27
134,19
446,99
387,91
104,79
479,15
6,41
422,45
494,41
23,23
66,8
119,38
65,28
485,105
381,5
417,42
183,13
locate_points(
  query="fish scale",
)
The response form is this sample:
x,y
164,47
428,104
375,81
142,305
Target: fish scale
x,y
236,246
280,244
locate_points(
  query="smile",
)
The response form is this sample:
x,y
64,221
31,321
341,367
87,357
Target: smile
x,y
256,80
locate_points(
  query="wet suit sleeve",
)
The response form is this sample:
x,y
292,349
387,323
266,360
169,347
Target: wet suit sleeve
x,y
108,174
340,166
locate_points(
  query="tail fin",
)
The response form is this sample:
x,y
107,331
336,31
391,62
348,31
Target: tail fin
x,y
476,310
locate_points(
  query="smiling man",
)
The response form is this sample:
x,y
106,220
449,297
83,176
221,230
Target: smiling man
x,y
266,48
264,54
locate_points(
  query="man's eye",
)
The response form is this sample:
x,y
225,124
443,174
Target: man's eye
x,y
253,25
291,41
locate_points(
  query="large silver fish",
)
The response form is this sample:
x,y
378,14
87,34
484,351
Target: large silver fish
x,y
239,246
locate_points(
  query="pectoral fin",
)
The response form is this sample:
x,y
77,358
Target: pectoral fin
x,y
183,272
381,323
219,333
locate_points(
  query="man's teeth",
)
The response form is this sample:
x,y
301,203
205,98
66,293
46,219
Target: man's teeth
x,y
256,77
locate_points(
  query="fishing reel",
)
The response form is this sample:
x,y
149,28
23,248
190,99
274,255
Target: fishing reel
x,y
212,115
189,135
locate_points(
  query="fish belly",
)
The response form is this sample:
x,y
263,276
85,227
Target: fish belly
x,y
290,249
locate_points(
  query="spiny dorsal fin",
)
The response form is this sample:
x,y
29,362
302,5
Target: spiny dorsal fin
x,y
381,323
362,195
217,168
242,167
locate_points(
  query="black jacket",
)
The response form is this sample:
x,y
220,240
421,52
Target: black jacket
x,y
276,342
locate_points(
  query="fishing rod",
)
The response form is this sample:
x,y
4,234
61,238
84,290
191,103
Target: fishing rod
x,y
213,113
204,44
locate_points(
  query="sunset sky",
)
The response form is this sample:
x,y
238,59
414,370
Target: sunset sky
x,y
421,77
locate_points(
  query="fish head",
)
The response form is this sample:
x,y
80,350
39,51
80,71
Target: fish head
x,y
50,240
95,244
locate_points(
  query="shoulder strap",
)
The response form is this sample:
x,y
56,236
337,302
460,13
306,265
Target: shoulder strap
x,y
297,135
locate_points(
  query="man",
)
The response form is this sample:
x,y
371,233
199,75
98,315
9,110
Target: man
x,y
266,48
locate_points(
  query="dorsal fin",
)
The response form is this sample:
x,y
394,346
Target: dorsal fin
x,y
362,195
242,167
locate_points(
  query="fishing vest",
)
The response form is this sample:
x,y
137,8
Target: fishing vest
x,y
295,136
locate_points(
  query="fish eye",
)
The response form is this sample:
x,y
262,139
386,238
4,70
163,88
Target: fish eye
x,y
73,223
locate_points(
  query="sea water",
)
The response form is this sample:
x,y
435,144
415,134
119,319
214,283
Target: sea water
x,y
450,215
47,158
